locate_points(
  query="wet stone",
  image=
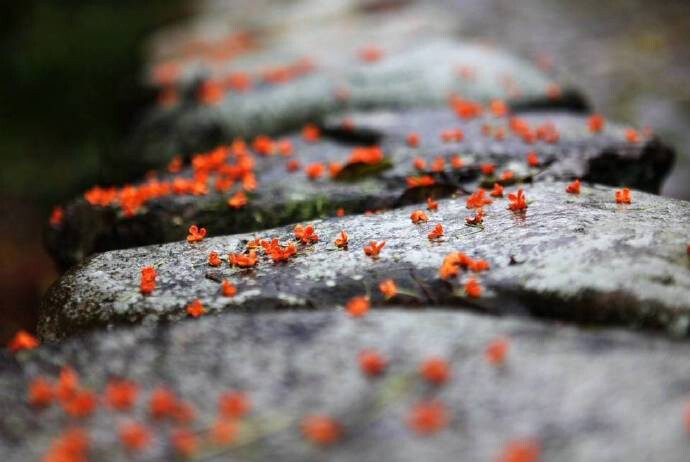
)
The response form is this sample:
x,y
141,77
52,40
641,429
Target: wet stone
x,y
575,257
284,197
602,394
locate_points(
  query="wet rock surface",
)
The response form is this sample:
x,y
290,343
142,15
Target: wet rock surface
x,y
577,257
275,67
580,395
287,197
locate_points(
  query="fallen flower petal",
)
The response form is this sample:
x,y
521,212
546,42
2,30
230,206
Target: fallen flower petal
x,y
435,371
196,309
358,306
428,417
321,430
23,340
573,188
436,233
372,363
388,288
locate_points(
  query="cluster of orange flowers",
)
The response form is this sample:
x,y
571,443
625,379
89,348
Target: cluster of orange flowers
x,y
148,280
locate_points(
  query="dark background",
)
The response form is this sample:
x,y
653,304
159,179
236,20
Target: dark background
x,y
71,92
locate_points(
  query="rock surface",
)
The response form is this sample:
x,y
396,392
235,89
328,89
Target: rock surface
x,y
304,60
581,395
284,197
582,258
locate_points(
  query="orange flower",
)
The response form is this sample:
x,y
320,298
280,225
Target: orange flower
x,y
315,170
185,442
372,363
373,249
388,288
456,162
135,436
366,155
438,165
224,431
71,446
476,219
196,234
532,159
478,265
497,191
82,404
285,148
520,451
358,306
370,54
574,187
228,289
41,392
243,261
210,93
435,371
507,175
340,212
412,140
23,340
234,404
68,384
428,417
196,309
451,264
311,133
214,259
448,136
488,169
184,412
418,216
279,253
477,199
431,204
238,200
497,351
517,201
436,233
121,394
148,279
57,216
632,136
341,241
175,165
596,123
306,234
321,430
472,288
420,181
419,163
334,168
624,196
162,403
499,108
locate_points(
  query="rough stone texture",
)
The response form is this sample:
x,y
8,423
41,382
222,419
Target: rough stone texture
x,y
584,395
419,68
573,257
287,198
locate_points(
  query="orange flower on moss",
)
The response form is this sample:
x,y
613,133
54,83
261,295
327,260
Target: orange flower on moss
x,y
311,133
358,306
497,191
573,188
228,289
413,140
517,201
71,446
419,163
418,216
214,259
372,363
520,451
476,219
435,371
632,136
472,288
41,392
306,234
185,442
624,196
431,204
420,181
596,123
224,431
134,436
497,351
82,404
321,430
488,169
121,394
532,159
238,200
175,165
162,403
342,240
508,175
340,212
23,340
388,288
436,233
196,309
428,417
68,384
196,234
456,162
374,248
